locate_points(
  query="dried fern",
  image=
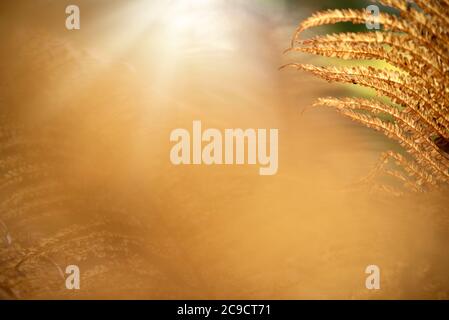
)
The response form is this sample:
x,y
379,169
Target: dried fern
x,y
416,42
33,195
48,219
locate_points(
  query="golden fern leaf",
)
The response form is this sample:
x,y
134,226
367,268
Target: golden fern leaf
x,y
402,90
37,199
419,17
352,51
395,132
436,9
400,43
424,35
420,177
416,61
416,43
403,120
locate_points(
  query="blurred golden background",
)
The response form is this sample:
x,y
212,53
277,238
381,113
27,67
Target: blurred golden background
x,y
86,178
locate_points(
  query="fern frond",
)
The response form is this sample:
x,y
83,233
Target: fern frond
x,y
426,36
434,8
390,83
428,6
403,120
352,51
400,43
422,177
395,132
416,42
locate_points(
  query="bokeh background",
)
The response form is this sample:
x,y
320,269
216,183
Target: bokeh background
x,y
86,177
